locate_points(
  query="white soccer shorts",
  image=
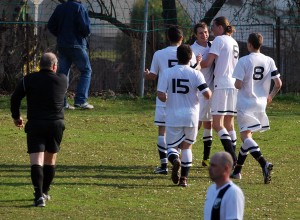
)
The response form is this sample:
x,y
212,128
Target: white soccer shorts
x,y
176,135
253,121
224,102
160,116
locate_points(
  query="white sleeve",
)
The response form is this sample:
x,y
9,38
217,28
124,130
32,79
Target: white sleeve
x,y
216,46
239,70
155,64
162,85
274,72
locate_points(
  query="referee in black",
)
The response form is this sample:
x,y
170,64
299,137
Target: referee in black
x,y
44,91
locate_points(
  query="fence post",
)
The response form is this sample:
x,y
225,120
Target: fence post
x,y
143,58
278,43
27,45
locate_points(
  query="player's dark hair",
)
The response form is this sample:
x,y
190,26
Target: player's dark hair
x,y
184,54
228,29
256,40
199,25
174,34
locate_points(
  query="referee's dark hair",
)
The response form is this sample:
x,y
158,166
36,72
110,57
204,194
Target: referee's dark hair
x,y
256,40
184,54
48,60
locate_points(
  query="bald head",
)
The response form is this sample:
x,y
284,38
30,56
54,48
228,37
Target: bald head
x,y
223,158
48,61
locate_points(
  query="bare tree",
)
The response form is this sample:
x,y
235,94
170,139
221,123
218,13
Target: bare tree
x,y
13,42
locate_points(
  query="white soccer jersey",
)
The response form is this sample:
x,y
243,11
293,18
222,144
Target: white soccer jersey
x,y
227,51
256,71
208,72
163,59
181,84
232,204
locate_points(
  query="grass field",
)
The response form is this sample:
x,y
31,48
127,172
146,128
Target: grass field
x,y
104,169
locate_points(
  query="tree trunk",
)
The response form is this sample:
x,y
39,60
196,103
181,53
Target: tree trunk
x,y
169,12
211,13
12,47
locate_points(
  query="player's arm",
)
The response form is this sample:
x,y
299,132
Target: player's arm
x,y
197,65
208,61
238,84
275,90
162,96
149,76
15,103
206,92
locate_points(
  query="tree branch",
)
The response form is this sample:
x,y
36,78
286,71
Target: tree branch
x,y
213,11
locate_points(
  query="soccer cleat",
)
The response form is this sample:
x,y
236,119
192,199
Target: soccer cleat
x,y
175,171
46,197
40,202
160,170
84,106
267,172
183,182
205,163
237,176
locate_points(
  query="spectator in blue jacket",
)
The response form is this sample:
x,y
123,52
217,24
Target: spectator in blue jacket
x,y
70,23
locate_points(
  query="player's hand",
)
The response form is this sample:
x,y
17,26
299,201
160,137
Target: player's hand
x,y
149,76
19,122
146,72
269,100
199,58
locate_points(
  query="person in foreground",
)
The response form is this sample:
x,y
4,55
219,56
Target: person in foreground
x,y
254,74
178,87
70,23
45,91
224,199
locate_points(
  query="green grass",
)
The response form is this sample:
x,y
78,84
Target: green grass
x,y
104,168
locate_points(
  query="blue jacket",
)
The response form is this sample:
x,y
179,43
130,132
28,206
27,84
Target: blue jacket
x,y
71,25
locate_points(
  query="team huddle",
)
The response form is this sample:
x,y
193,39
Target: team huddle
x,y
184,91
206,83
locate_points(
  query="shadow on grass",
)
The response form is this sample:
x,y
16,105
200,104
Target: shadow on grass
x,y
102,175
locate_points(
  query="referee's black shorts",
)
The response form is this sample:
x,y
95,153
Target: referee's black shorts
x,y
44,135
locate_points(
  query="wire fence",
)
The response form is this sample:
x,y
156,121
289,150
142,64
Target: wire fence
x,y
115,55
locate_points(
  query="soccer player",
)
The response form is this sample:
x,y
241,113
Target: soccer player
x,y
45,91
224,199
179,88
202,46
224,52
254,74
163,59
